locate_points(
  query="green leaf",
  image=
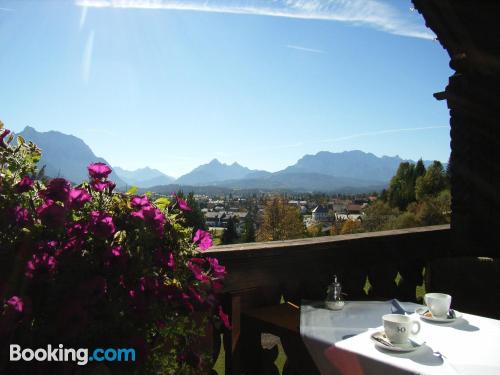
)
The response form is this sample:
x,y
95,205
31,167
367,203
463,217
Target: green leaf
x,y
132,190
120,236
162,203
20,140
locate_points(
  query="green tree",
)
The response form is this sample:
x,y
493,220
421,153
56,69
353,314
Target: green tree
x,y
230,234
280,221
350,227
405,220
401,191
377,215
419,168
429,212
249,230
194,218
432,183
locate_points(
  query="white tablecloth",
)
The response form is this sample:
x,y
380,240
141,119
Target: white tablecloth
x,y
470,345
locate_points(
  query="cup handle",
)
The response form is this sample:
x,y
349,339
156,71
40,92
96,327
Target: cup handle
x,y
417,330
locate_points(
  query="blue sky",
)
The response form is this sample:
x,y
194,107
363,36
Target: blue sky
x,y
174,84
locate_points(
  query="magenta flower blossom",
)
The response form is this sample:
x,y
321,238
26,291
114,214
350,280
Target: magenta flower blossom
x,y
99,171
24,185
16,303
51,214
183,204
171,262
101,224
99,185
203,239
5,133
78,197
49,247
78,229
195,265
195,296
218,271
41,266
152,216
20,216
57,190
224,318
116,251
138,202
114,256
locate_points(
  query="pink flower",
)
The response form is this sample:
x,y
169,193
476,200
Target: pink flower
x,y
203,239
116,251
138,202
195,296
78,197
152,216
40,265
99,170
224,318
182,204
218,271
77,229
51,214
16,303
20,215
24,185
49,247
4,134
195,265
57,190
114,256
102,185
171,262
101,224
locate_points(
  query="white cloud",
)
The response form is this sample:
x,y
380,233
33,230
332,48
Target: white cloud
x,y
83,17
87,58
305,49
373,13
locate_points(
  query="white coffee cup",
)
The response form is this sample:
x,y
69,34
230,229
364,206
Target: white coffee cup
x,y
438,304
398,328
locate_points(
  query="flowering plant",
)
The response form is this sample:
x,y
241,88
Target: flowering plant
x,y
85,266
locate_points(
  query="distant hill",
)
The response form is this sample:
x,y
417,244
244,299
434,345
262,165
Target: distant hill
x,y
305,182
143,177
345,172
351,164
65,155
214,172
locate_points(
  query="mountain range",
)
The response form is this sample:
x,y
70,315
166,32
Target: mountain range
x,y
143,177
348,171
65,155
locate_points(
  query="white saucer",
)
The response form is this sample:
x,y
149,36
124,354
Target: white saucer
x,y
429,317
408,346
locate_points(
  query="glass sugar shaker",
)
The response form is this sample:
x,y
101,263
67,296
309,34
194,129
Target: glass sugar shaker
x,y
334,300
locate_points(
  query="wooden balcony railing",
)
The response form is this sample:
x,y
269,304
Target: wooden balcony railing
x,y
377,265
